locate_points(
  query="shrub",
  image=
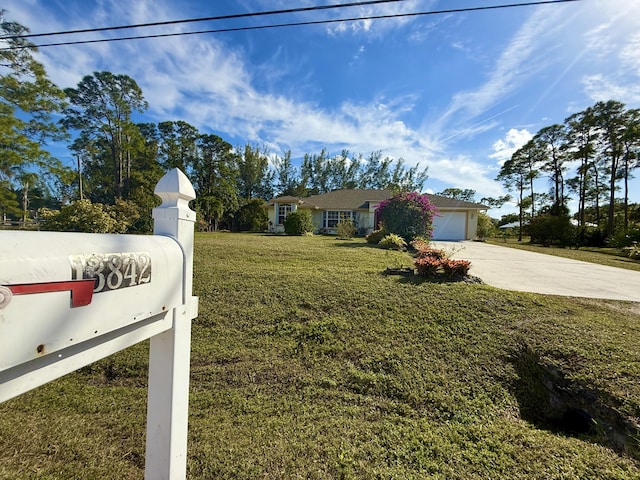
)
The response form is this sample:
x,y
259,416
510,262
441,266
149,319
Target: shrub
x,y
419,243
345,229
80,216
591,237
408,214
427,266
456,268
377,235
547,229
252,216
622,239
393,241
427,251
486,227
298,223
431,266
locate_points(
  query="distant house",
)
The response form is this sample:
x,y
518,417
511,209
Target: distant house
x,y
457,220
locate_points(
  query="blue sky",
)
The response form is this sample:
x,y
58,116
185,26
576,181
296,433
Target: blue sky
x,y
455,92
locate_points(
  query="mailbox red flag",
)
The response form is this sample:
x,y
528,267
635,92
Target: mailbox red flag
x,y
81,290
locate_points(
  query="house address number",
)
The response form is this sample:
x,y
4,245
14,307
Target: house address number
x,y
112,271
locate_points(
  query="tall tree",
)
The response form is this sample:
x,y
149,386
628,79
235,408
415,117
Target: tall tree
x,y
214,177
530,157
343,171
515,175
376,171
551,139
254,177
146,174
314,168
100,109
466,195
581,136
177,145
610,120
286,176
28,102
630,156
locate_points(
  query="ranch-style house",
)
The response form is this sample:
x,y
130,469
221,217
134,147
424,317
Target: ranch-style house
x,y
456,219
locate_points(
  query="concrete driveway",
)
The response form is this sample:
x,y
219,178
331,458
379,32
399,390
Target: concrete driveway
x,y
523,271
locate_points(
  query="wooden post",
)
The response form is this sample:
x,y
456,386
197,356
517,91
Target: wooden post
x,y
169,358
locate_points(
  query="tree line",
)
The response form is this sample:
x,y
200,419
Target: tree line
x,y
119,161
591,156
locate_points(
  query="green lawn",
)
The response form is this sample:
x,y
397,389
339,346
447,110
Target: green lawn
x,y
307,362
611,257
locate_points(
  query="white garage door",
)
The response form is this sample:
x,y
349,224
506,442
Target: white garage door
x,y
450,226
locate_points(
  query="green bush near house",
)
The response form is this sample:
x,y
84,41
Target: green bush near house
x,y
345,229
393,241
376,236
299,222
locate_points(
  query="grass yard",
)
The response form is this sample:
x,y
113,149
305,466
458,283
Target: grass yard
x,y
307,362
603,256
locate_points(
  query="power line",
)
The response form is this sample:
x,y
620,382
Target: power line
x,y
296,24
207,19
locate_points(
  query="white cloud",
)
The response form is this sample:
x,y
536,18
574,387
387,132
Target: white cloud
x,y
601,88
379,27
613,48
512,67
463,172
504,148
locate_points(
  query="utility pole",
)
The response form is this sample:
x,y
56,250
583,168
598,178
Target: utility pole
x,y
79,177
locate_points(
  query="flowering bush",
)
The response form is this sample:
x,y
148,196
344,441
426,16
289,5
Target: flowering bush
x,y
408,214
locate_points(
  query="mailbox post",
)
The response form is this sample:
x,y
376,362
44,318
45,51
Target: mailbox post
x,y
168,396
69,299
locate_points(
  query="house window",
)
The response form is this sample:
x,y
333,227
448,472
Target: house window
x,y
333,217
283,211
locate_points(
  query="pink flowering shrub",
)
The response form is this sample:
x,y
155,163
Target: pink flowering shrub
x,y
408,214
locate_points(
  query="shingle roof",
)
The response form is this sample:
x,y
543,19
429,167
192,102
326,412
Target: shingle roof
x,y
285,199
446,202
348,199
355,199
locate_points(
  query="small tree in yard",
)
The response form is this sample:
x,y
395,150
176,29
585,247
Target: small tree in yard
x,y
298,223
408,214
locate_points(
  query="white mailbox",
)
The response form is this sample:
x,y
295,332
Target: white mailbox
x,y
69,299
77,287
